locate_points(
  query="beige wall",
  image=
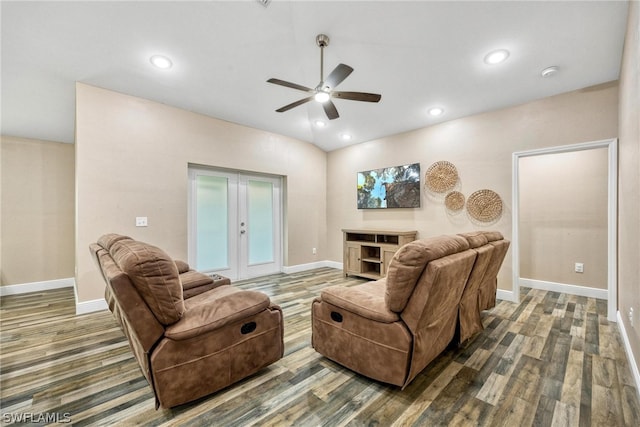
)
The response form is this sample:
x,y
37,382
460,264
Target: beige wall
x,y
37,234
563,217
481,147
629,182
131,160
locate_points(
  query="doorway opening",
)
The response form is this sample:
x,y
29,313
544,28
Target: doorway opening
x,y
611,212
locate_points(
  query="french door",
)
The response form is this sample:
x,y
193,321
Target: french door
x,y
235,223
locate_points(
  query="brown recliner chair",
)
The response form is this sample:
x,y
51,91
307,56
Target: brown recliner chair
x,y
390,329
190,347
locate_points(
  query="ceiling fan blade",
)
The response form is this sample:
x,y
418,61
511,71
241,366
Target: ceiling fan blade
x,y
338,74
357,96
289,84
330,109
294,104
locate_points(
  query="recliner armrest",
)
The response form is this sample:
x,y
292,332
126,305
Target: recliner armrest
x,y
183,267
215,309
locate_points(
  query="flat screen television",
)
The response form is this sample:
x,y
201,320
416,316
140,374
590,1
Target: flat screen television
x,y
393,187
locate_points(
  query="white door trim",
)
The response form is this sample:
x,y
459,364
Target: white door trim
x,y
612,215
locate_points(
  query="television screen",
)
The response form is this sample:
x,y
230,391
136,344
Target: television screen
x,y
394,187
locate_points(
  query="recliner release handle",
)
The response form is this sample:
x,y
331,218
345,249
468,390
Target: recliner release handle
x,y
247,328
336,317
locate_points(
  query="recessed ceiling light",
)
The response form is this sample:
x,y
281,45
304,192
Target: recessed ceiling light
x,y
320,123
345,136
549,71
436,111
161,61
496,56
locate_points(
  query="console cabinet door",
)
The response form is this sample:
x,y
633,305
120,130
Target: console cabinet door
x,y
352,259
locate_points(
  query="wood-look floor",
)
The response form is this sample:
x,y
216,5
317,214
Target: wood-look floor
x,y
553,360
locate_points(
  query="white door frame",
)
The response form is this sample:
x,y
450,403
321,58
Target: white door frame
x,y
612,215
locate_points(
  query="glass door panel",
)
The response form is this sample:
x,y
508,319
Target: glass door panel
x,y
212,216
213,219
260,221
260,225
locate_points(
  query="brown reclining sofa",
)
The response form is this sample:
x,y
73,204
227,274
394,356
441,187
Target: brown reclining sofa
x,y
392,328
190,334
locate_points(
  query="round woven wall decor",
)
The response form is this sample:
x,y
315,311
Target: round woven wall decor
x,y
484,205
454,201
441,176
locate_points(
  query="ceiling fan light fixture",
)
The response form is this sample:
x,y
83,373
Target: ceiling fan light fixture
x,y
496,56
321,96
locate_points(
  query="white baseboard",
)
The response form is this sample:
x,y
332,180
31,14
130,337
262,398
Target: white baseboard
x,y
334,264
630,357
310,266
46,285
506,295
85,307
582,291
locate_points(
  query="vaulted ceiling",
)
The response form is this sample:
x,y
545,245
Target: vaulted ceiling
x,y
417,54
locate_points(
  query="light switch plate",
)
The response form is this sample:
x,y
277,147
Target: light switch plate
x,y
141,221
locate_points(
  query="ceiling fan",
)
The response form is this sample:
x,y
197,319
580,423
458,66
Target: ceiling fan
x,y
324,91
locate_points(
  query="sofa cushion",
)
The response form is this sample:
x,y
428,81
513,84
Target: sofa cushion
x,y
215,309
475,238
154,275
366,300
410,261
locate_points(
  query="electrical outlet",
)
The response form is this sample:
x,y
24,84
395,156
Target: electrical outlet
x,y
141,221
313,251
579,267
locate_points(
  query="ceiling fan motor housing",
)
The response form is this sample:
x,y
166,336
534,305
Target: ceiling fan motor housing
x,y
322,40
